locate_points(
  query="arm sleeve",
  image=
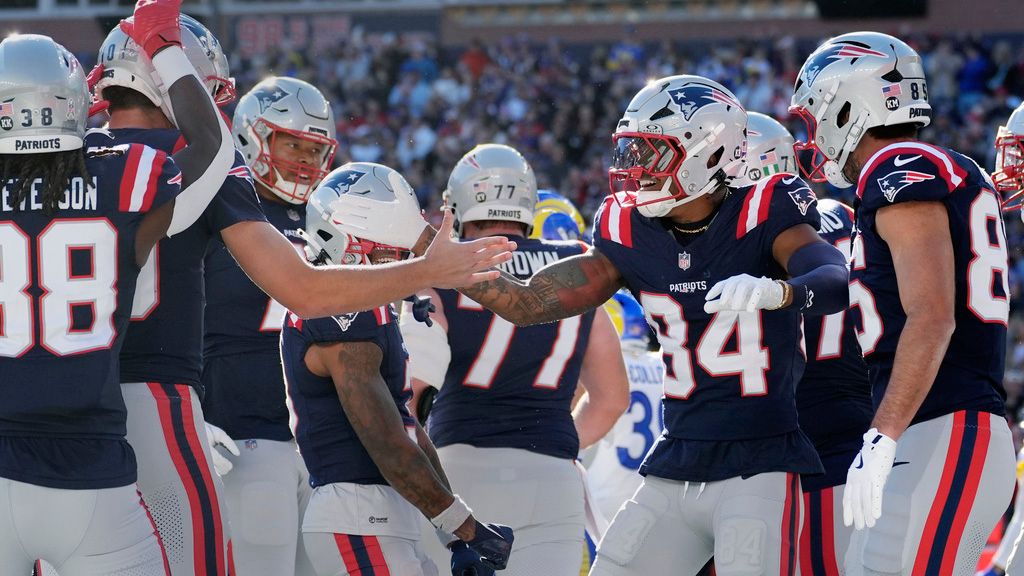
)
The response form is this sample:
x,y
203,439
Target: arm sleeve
x,y
209,155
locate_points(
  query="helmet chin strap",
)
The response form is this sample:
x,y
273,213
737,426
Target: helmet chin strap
x,y
834,168
658,209
302,191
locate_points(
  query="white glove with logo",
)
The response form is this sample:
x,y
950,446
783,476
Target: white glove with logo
x,y
396,223
862,498
742,293
217,437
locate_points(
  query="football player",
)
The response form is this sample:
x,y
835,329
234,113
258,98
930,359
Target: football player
x,y
725,275
1008,176
162,358
78,219
370,463
833,396
936,470
284,128
503,421
617,457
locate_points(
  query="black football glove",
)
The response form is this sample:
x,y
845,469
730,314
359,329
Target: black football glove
x,y
421,308
467,562
494,544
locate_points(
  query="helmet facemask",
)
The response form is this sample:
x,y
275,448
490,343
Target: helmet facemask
x,y
1008,176
641,160
270,169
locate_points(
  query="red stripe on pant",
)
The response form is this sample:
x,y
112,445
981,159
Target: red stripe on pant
x,y
931,525
828,530
373,562
175,450
968,492
790,524
805,538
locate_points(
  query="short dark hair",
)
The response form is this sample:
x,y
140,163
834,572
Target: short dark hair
x,y
894,132
54,168
122,98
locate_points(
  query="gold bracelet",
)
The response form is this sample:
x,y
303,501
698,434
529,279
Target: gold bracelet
x,y
787,294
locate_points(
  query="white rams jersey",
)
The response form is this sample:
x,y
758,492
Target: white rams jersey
x,y
612,473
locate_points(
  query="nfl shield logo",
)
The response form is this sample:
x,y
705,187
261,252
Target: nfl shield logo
x,y
684,261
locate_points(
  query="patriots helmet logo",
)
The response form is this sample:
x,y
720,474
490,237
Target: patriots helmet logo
x,y
693,97
893,182
803,197
834,53
345,180
269,95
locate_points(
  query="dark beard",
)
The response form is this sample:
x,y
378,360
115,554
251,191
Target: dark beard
x,y
852,169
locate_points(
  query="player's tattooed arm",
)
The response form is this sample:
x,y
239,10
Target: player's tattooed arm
x,y
370,408
561,289
428,448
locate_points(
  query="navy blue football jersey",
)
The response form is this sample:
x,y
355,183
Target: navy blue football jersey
x,y
329,445
834,396
164,342
68,281
510,387
730,381
970,376
242,360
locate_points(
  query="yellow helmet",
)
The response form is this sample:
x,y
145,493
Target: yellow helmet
x,y
549,200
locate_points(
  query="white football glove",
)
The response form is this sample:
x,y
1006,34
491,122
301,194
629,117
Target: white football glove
x,y
217,437
862,498
396,223
742,293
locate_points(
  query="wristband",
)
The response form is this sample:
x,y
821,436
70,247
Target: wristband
x,y
171,65
453,516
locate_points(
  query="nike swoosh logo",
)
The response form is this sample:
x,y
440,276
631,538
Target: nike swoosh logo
x,y
788,181
860,462
895,464
900,161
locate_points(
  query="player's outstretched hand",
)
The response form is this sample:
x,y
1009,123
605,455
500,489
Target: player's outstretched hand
x,y
217,437
744,293
454,264
862,497
154,25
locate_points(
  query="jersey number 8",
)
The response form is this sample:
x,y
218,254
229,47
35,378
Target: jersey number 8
x,y
63,289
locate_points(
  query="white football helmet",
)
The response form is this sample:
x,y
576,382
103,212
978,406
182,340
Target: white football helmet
x,y
769,149
124,64
328,239
1009,170
492,182
44,99
684,134
282,105
852,83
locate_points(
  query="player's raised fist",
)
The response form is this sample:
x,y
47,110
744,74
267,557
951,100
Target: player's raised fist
x,y
155,25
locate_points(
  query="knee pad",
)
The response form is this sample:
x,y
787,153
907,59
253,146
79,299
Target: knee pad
x,y
885,544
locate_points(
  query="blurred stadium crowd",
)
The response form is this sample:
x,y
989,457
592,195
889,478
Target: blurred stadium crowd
x,y
405,102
